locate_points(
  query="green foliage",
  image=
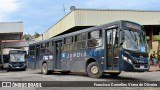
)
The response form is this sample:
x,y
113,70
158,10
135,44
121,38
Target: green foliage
x,y
36,35
147,37
30,37
156,37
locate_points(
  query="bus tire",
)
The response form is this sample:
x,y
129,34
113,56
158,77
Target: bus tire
x,y
8,69
44,69
93,70
24,69
114,74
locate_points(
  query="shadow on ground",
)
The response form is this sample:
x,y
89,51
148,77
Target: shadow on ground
x,y
105,76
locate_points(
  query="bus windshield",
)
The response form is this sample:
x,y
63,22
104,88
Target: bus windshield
x,y
134,40
17,57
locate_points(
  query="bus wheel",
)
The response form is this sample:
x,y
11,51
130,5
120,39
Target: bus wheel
x,y
93,70
24,69
44,69
8,69
114,74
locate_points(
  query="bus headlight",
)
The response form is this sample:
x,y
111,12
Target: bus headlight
x,y
124,58
127,59
130,60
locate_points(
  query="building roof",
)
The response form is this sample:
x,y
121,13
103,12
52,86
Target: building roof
x,y
93,17
11,30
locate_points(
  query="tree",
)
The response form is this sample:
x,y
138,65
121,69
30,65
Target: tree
x,y
24,36
27,37
36,35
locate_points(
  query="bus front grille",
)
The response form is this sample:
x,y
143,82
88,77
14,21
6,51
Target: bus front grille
x,y
139,66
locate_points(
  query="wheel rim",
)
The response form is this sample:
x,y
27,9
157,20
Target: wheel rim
x,y
94,69
44,68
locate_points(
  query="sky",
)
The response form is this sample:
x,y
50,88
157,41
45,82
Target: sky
x,y
40,15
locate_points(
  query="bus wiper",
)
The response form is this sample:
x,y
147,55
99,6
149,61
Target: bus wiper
x,y
122,41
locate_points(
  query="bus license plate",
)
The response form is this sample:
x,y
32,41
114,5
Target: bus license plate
x,y
141,66
17,67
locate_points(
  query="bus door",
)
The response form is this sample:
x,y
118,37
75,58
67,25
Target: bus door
x,y
58,54
37,56
32,57
112,59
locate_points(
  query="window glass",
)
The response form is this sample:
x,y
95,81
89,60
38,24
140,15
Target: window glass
x,y
95,39
47,50
42,50
47,44
68,40
32,53
80,45
68,47
80,37
83,36
17,57
52,43
32,47
77,38
93,34
43,45
94,42
109,37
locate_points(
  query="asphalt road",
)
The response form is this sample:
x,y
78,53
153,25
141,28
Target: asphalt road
x,y
34,75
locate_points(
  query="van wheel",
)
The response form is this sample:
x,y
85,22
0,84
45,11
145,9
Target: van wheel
x,y
114,74
93,70
44,69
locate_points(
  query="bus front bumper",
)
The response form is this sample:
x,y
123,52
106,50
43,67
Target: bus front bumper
x,y
10,66
131,67
141,67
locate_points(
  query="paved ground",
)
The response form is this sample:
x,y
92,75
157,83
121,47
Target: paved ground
x,y
34,75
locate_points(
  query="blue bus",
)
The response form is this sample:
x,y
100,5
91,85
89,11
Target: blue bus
x,y
16,59
109,48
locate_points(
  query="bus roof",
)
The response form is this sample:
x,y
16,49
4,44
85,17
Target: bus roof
x,y
84,30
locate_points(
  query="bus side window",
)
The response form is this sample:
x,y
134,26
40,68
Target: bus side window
x,y
80,41
51,47
68,43
42,48
95,38
115,37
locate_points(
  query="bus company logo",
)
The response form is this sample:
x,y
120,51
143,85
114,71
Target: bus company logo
x,y
6,84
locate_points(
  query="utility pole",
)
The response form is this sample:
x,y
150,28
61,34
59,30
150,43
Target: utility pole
x,y
64,9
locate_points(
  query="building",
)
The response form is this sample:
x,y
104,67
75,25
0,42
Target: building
x,y
78,19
